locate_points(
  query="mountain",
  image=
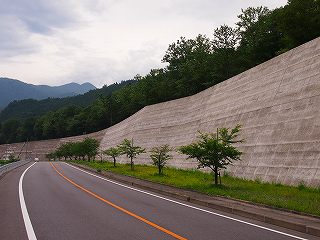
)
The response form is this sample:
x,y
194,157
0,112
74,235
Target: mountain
x,y
67,90
32,108
11,89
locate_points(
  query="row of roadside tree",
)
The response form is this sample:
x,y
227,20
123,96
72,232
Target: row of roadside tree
x,y
212,150
86,149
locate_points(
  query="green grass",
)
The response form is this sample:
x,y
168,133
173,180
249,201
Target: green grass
x,y
301,198
3,162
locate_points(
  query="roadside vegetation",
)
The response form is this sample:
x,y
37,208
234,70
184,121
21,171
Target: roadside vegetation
x,y
86,149
212,150
160,156
3,162
10,160
301,198
130,150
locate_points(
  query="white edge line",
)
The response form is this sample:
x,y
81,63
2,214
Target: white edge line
x,y
26,218
186,205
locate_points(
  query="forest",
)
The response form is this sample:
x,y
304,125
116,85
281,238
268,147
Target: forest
x,y
192,65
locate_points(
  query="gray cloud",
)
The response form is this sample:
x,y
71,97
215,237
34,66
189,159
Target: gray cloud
x,y
40,16
14,38
21,21
104,70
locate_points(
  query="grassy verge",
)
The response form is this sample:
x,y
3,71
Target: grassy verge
x,y
301,199
3,162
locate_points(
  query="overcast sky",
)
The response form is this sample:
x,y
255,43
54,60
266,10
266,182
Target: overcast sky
x,y
102,41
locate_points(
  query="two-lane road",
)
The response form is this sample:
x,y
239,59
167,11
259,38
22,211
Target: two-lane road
x,y
63,202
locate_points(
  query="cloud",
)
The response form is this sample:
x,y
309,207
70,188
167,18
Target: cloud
x,y
14,37
21,22
101,41
103,70
40,16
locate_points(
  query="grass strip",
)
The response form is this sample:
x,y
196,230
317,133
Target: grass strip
x,y
3,162
300,199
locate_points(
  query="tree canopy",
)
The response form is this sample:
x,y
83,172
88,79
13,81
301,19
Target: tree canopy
x,y
88,148
113,152
214,150
160,156
132,151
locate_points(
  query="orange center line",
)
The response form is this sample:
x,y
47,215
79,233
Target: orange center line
x,y
120,208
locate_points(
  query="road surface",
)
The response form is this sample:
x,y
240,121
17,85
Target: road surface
x,y
59,201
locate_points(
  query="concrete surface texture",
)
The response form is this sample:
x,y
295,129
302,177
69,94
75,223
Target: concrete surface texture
x,y
276,102
38,149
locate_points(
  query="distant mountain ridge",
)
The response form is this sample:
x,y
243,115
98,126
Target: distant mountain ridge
x,y
26,108
12,89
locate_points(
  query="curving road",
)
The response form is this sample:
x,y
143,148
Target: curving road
x,y
59,201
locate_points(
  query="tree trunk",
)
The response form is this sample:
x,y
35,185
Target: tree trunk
x,y
114,161
159,167
216,176
131,162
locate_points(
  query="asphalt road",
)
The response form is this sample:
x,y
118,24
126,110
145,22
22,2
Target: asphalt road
x,y
63,202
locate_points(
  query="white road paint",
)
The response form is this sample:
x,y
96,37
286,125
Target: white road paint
x,y
26,218
189,206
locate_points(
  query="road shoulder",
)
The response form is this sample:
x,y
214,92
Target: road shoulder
x,y
10,211
287,219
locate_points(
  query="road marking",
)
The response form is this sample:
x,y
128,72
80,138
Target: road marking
x,y
25,215
189,206
120,208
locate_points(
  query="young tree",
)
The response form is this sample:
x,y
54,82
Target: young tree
x,y
12,158
58,154
51,156
65,150
113,152
160,155
214,151
127,147
77,150
90,146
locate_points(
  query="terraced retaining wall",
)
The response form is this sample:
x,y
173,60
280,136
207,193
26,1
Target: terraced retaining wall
x,y
277,103
39,149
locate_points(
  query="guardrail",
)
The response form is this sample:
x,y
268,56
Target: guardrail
x,y
7,167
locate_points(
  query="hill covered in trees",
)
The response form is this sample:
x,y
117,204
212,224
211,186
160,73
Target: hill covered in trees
x,y
192,66
22,109
11,89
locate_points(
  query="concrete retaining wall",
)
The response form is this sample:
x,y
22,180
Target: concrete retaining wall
x,y
38,149
277,103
